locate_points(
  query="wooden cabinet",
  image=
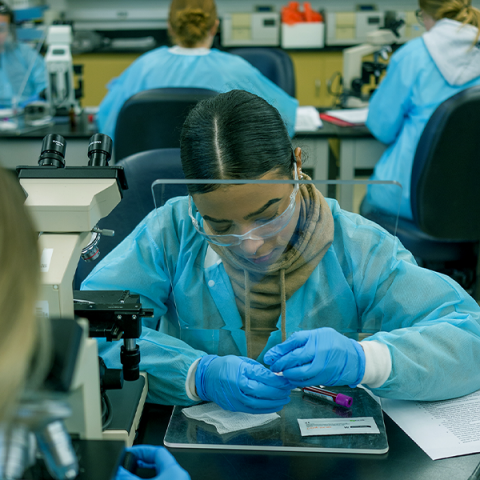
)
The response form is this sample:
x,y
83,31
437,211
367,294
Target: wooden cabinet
x,y
312,72
98,70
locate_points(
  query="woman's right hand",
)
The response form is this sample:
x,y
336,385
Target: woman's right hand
x,y
240,384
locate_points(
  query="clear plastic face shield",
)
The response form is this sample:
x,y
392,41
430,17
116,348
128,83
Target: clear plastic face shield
x,y
250,262
22,71
4,30
7,30
264,227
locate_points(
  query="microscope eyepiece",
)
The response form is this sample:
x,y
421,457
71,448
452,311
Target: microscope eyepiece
x,y
99,150
53,151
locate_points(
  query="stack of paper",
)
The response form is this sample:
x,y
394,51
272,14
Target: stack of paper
x,y
307,120
442,429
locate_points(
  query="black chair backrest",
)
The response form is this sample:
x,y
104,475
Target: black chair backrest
x,y
445,191
274,63
141,170
153,119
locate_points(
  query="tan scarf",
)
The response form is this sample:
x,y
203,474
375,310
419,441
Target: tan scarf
x,y
261,293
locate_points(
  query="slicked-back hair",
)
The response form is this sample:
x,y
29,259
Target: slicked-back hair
x,y
235,135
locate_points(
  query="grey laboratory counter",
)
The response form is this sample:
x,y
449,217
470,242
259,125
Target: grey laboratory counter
x,y
404,460
315,152
358,150
23,147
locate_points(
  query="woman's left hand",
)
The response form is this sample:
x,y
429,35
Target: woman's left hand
x,y
153,458
318,357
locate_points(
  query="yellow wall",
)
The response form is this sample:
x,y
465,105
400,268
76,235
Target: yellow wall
x,y
98,70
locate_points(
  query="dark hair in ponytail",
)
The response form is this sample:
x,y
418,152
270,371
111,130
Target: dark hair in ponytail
x,y
234,135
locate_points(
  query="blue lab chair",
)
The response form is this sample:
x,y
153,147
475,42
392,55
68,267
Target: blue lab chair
x,y
445,194
273,63
141,170
153,119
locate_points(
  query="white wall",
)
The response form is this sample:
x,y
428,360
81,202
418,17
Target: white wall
x,y
158,8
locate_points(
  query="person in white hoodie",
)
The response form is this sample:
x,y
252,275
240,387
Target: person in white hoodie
x,y
421,75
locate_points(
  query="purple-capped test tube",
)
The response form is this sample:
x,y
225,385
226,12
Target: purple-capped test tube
x,y
332,397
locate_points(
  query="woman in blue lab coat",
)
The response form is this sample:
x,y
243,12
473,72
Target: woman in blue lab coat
x,y
17,61
24,339
244,276
191,63
421,75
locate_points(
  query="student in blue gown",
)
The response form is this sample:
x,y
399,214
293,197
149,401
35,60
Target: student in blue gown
x,y
247,281
191,63
20,333
17,60
421,75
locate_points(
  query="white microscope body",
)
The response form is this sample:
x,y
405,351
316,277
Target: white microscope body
x,y
65,212
379,42
58,59
66,204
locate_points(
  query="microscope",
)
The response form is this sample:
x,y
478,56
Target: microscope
x,y
61,94
66,203
357,72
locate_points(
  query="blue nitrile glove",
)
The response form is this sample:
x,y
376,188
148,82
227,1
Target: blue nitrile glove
x,y
318,357
156,458
240,384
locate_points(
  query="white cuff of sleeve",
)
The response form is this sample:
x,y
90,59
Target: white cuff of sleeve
x,y
378,364
190,382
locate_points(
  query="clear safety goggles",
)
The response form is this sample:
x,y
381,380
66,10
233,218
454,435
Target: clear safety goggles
x,y
266,230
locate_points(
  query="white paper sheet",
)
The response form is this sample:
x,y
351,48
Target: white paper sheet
x,y
226,421
307,119
443,429
6,113
357,116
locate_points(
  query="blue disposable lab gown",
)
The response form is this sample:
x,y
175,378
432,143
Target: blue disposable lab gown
x,y
15,62
211,69
367,282
418,80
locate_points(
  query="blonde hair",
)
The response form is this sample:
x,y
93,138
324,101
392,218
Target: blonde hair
x,y
191,20
19,282
459,10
